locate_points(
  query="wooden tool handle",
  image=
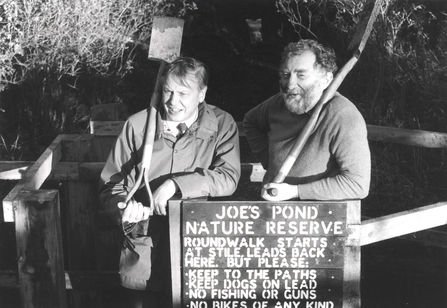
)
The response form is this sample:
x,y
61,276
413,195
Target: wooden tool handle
x,y
357,44
310,125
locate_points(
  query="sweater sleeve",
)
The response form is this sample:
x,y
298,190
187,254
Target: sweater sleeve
x,y
256,126
349,145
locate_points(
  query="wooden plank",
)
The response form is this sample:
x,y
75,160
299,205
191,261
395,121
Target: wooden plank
x,y
77,148
81,224
269,246
34,176
101,147
410,137
106,128
67,171
13,170
354,210
252,172
386,227
89,171
176,259
82,235
351,278
419,138
353,222
38,172
39,249
63,171
81,205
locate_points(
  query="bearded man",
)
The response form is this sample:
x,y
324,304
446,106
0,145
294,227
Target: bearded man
x,y
335,163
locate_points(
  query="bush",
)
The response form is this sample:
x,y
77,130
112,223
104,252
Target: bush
x,y
65,37
59,58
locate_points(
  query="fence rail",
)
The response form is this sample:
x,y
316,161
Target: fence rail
x,y
76,161
409,137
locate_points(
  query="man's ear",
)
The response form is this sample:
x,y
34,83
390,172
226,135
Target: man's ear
x,y
202,94
327,79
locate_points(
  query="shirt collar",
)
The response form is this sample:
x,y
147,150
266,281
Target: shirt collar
x,y
171,126
205,123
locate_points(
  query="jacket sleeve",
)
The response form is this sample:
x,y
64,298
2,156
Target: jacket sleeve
x,y
256,126
222,176
119,172
349,145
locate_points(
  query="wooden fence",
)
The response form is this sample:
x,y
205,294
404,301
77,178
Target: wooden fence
x,y
66,242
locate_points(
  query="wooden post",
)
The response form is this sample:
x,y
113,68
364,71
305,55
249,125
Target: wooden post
x,y
176,258
34,175
351,279
82,231
39,249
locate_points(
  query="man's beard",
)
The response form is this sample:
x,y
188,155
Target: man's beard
x,y
301,103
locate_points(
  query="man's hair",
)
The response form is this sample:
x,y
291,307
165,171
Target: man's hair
x,y
325,56
187,68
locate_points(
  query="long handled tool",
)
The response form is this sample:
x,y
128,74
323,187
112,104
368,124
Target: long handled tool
x,y
357,45
166,39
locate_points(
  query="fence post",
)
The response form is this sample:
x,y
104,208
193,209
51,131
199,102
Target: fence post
x,y
39,249
352,257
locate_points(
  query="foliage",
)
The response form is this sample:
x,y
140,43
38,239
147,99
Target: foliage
x,y
405,55
64,36
307,15
56,54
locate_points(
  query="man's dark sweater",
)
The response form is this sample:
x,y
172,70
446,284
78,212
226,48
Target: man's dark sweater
x,y
335,162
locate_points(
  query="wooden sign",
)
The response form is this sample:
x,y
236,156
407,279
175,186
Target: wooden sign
x,y
264,254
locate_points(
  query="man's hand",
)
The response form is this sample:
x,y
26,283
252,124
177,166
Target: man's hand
x,y
284,191
162,195
134,211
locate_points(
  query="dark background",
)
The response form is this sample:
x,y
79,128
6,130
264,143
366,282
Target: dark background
x,y
396,272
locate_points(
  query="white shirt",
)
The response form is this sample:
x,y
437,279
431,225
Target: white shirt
x,y
171,126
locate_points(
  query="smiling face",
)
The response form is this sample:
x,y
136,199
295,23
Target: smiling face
x,y
302,82
181,99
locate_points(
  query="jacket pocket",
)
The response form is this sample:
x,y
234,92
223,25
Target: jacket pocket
x,y
135,259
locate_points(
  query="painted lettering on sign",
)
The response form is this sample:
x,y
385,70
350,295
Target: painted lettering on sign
x,y
263,254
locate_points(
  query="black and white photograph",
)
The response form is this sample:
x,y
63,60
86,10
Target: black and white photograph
x,y
223,153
